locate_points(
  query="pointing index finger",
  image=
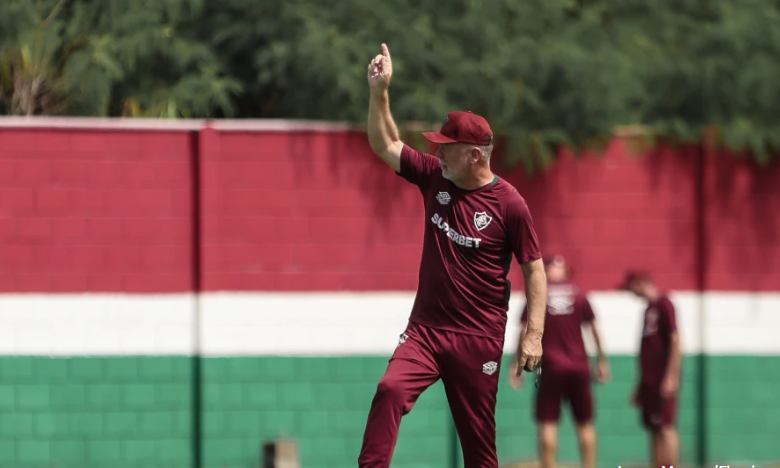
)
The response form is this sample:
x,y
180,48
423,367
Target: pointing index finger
x,y
385,50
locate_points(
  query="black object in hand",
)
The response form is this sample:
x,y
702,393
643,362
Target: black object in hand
x,y
527,368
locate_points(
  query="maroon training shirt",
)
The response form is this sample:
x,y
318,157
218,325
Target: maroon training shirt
x,y
660,323
470,237
567,309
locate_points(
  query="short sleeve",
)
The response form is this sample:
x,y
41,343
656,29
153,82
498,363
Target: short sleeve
x,y
417,167
668,316
586,311
521,233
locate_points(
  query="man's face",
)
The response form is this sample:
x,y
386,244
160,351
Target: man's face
x,y
639,288
454,159
556,273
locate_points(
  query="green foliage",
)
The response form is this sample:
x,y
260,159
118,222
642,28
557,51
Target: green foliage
x,y
81,57
545,73
707,67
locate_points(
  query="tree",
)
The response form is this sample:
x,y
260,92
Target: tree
x,y
707,67
112,57
546,73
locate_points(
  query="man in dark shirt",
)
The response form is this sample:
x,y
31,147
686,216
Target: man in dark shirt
x,y
566,370
475,223
660,363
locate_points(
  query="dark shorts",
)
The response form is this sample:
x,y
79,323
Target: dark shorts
x,y
657,412
558,386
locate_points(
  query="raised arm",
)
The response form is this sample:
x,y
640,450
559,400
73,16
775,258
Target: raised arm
x,y
382,131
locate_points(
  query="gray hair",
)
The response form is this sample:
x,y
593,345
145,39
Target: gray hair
x,y
486,151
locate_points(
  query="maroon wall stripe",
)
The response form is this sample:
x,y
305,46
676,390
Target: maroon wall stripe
x,y
121,211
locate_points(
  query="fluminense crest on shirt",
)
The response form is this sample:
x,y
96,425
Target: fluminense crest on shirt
x,y
651,322
481,220
402,339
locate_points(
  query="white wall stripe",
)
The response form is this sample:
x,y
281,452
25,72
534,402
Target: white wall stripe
x,y
310,324
86,123
78,325
369,324
742,323
335,324
168,125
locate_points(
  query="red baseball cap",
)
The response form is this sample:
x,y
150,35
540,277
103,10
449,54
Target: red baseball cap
x,y
462,127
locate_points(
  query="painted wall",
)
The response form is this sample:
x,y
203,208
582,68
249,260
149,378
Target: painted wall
x,y
300,277
110,210
95,211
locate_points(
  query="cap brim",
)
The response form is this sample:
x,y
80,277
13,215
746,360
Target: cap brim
x,y
436,137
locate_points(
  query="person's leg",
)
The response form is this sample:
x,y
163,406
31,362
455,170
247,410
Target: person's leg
x,y
411,370
548,443
581,399
669,442
652,439
668,446
586,432
657,447
658,417
470,372
547,411
648,406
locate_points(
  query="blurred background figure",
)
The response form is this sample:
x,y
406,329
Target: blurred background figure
x,y
660,362
566,373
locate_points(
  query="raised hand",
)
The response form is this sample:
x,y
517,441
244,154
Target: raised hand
x,y
380,70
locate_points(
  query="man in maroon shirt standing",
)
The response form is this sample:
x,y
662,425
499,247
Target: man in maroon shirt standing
x,y
660,360
474,224
566,370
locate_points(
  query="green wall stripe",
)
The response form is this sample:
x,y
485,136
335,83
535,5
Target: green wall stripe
x,y
138,411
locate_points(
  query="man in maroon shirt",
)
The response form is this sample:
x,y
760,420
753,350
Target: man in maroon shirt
x,y
475,223
660,360
566,371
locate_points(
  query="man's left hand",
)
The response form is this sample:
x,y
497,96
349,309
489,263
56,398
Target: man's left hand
x,y
530,353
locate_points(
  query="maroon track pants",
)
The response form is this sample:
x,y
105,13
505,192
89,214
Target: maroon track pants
x,y
468,366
